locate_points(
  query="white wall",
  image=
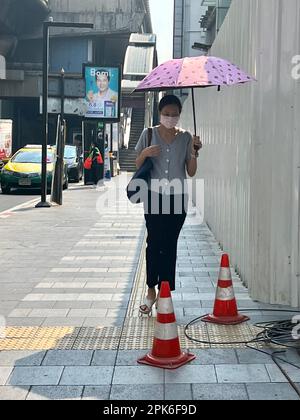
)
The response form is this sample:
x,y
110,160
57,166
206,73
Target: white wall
x,y
251,155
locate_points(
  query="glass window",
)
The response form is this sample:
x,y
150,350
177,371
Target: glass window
x,y
31,156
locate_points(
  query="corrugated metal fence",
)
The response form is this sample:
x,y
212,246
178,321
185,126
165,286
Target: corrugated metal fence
x,y
251,155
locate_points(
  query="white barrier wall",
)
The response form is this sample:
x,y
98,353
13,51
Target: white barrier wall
x,y
251,155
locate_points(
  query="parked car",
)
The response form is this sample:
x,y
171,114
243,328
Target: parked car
x,y
24,169
74,162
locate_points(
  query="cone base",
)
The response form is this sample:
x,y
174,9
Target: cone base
x,y
226,320
166,362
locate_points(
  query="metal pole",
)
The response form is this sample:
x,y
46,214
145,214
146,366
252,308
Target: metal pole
x,y
194,112
62,113
61,142
46,28
43,202
111,137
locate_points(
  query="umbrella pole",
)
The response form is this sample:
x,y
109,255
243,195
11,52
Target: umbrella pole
x,y
194,112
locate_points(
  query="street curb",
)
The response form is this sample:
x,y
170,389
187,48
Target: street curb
x,y
20,206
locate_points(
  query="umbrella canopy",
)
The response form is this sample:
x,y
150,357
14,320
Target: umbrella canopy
x,y
193,72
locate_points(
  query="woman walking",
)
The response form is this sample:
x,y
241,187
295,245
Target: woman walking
x,y
174,154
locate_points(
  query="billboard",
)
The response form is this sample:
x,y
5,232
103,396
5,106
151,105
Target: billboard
x,y
5,139
103,92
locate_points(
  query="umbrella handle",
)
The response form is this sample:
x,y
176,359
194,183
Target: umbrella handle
x,y
194,112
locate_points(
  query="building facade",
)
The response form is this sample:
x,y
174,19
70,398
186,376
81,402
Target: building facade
x,y
187,30
105,45
196,25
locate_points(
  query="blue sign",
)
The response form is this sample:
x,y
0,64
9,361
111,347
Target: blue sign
x,y
103,86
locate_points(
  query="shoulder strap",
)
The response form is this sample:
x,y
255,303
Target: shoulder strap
x,y
150,132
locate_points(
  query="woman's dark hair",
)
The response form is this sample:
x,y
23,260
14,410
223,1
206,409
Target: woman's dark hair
x,y
170,100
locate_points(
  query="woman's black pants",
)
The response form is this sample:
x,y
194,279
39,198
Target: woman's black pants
x,y
161,253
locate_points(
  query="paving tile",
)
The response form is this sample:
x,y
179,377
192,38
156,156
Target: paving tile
x,y
48,313
21,358
55,393
99,393
116,312
4,374
18,313
134,375
103,322
36,305
192,375
238,374
271,392
72,305
104,358
196,312
35,376
130,357
68,358
214,356
87,313
219,392
12,393
137,392
277,376
63,322
247,356
90,375
176,392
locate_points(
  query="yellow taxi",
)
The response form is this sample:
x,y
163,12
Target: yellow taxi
x,y
24,169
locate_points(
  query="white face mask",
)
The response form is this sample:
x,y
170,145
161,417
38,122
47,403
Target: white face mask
x,y
169,122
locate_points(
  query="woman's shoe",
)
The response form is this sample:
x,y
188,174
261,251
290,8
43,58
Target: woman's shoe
x,y
146,308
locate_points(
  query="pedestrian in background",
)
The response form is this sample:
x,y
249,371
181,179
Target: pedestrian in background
x,y
174,154
97,161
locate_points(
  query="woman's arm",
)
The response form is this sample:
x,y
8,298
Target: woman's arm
x,y
191,164
141,159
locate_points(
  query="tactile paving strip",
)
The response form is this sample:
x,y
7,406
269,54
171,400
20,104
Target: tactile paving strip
x,y
137,334
38,338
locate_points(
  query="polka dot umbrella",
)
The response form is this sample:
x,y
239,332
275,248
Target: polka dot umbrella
x,y
193,72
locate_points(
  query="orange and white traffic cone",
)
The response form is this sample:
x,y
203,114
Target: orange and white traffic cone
x,y
225,309
166,352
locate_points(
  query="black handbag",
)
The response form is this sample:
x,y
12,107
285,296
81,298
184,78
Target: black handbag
x,y
143,174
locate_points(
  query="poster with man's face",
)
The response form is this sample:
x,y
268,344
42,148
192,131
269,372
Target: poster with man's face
x,y
102,92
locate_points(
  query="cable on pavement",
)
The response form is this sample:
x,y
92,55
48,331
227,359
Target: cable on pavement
x,y
279,333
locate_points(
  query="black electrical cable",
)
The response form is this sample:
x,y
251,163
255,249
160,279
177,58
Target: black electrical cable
x,y
275,332
257,339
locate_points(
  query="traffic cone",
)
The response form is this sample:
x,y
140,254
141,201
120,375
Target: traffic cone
x,y
166,352
225,309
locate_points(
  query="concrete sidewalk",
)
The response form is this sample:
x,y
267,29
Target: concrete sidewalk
x,y
72,280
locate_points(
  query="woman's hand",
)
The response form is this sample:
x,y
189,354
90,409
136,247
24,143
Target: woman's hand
x,y
152,151
197,144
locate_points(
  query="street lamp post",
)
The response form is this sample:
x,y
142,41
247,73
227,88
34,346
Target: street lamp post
x,y
46,28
